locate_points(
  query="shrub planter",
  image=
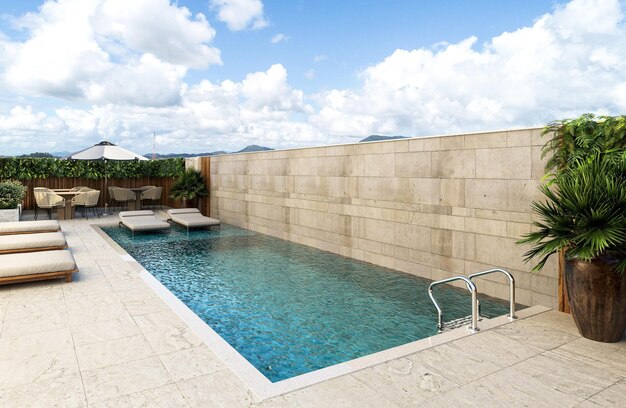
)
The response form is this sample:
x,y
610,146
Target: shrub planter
x,y
12,214
597,297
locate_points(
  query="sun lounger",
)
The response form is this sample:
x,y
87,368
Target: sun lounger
x,y
28,227
37,266
191,218
142,220
46,241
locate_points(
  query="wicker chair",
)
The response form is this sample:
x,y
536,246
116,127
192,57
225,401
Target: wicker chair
x,y
152,195
87,199
47,200
122,196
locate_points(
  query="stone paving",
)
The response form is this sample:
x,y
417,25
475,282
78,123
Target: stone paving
x,y
106,340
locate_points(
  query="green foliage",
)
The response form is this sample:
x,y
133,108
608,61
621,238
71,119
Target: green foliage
x,y
33,168
189,185
576,139
11,194
584,214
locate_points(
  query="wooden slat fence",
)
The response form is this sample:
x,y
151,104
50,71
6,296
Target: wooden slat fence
x,y
69,182
205,170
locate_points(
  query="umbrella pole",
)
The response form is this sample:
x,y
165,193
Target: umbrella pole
x,y
106,188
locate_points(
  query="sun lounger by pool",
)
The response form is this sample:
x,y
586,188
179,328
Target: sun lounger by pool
x,y
28,227
142,220
191,218
35,266
45,241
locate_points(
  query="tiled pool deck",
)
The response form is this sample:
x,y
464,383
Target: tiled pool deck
x,y
107,340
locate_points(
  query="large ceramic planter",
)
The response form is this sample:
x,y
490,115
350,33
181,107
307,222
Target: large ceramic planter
x,y
597,297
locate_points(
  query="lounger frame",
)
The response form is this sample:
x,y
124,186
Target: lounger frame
x,y
33,249
28,232
68,275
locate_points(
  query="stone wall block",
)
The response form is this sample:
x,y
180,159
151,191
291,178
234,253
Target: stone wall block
x,y
378,165
414,164
486,140
452,192
507,163
424,190
486,194
520,193
454,164
413,236
501,252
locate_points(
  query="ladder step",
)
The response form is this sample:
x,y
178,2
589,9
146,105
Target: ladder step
x,y
456,323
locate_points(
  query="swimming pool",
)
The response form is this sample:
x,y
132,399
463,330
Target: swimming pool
x,y
290,309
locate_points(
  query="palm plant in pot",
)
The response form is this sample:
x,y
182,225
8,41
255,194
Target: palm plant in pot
x,y
584,215
188,186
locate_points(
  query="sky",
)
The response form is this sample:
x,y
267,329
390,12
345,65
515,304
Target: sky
x,y
223,74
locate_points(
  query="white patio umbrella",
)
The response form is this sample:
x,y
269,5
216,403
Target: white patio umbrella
x,y
106,151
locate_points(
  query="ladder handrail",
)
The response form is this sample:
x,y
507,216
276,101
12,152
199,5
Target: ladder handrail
x,y
471,287
511,287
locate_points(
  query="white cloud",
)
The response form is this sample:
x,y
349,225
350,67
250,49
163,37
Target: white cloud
x,y
211,116
24,119
568,62
166,31
146,81
309,74
320,58
118,85
107,51
279,38
240,14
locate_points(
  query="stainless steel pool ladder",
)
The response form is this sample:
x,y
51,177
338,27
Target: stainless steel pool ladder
x,y
472,319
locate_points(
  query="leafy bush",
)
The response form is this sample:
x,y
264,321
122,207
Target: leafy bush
x,y
11,194
189,185
33,168
587,136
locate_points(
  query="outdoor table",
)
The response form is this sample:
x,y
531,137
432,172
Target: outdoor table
x,y
135,205
67,212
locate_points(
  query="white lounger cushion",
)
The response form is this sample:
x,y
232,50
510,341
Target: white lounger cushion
x,y
34,263
191,217
32,241
142,221
136,213
183,211
25,227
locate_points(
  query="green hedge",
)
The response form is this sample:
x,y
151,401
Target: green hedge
x,y
31,168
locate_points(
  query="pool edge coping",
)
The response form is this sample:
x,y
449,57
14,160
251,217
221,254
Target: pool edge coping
x,y
253,378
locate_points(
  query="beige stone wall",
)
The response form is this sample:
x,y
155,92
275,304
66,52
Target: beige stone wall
x,y
434,207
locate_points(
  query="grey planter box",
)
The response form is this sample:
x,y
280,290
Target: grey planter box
x,y
10,215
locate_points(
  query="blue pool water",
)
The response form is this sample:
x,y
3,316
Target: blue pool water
x,y
287,308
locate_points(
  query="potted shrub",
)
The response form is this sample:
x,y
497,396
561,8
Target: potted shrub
x,y
11,195
584,215
188,186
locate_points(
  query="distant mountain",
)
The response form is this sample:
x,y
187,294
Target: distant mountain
x,y
61,154
36,155
174,155
254,148
378,138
